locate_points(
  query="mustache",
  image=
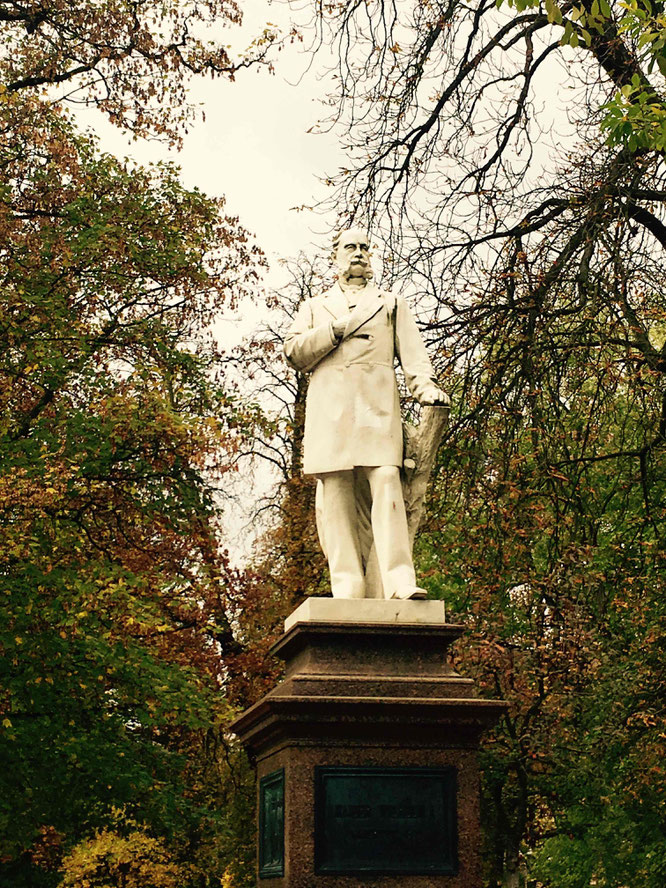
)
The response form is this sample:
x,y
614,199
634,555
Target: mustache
x,y
366,269
354,261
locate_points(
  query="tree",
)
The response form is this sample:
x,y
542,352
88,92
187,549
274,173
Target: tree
x,y
539,272
116,434
132,58
295,555
110,860
287,563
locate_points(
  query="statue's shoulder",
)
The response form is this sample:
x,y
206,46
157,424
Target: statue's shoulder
x,y
311,304
321,298
331,301
389,298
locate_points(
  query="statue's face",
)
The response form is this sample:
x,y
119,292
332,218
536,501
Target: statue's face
x,y
352,255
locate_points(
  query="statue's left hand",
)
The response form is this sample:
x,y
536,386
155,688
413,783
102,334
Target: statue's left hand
x,y
433,396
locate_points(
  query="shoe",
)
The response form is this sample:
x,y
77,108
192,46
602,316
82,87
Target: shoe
x,y
411,593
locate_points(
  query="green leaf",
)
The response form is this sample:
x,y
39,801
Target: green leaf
x,y
554,13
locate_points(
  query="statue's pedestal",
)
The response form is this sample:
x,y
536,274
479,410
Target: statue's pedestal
x,y
366,752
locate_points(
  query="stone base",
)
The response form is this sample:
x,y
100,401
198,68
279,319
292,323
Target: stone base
x,y
372,694
366,610
299,765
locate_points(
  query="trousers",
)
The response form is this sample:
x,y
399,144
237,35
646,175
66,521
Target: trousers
x,y
363,530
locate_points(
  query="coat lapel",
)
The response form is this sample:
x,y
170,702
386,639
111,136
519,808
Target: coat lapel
x,y
335,302
367,307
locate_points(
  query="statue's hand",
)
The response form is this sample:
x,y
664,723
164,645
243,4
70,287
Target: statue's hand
x,y
433,396
339,326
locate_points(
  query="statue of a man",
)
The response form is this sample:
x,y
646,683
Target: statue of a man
x,y
349,338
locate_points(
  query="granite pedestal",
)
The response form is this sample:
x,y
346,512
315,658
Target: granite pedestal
x,y
366,752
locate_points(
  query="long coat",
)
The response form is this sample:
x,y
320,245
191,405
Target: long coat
x,y
352,414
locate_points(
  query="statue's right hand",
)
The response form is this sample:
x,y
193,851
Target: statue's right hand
x,y
339,325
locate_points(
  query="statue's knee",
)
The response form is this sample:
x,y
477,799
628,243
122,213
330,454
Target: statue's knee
x,y
386,474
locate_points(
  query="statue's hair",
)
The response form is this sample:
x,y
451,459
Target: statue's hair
x,y
336,237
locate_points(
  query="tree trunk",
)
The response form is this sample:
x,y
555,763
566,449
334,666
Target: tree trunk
x,y
421,444
511,870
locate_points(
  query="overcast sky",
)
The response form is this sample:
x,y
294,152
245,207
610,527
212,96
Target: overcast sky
x,y
253,146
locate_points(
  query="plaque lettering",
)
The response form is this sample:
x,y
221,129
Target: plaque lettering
x,y
385,820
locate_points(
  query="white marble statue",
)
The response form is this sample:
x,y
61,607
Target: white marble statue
x,y
348,338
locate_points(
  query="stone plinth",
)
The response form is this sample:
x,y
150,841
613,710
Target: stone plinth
x,y
366,610
373,697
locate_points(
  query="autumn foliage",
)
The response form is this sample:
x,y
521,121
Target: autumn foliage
x,y
126,638
132,58
116,436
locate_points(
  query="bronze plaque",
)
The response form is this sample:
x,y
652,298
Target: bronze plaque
x,y
271,825
385,821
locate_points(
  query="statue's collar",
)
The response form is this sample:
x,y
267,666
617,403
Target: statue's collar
x,y
354,294
368,304
337,300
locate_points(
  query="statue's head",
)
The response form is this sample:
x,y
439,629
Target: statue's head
x,y
351,254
